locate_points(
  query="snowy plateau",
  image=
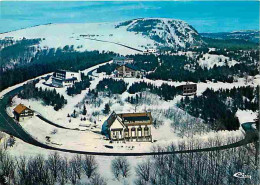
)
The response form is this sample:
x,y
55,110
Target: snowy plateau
x,y
140,34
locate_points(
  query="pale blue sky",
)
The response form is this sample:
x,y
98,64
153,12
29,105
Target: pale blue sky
x,y
204,16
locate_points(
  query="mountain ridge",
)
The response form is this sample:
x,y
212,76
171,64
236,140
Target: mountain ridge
x,y
165,32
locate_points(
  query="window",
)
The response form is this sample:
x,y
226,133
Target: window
x,y
126,132
146,131
133,132
139,131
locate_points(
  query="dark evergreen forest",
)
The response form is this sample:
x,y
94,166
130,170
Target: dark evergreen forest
x,y
218,108
46,61
49,97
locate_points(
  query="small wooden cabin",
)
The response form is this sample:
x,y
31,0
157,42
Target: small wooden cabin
x,y
21,112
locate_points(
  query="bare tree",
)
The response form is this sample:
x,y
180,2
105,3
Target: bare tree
x,y
22,171
75,169
143,170
72,174
78,165
98,180
38,170
54,164
120,167
64,171
7,167
89,165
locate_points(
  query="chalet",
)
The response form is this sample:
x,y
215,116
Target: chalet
x,y
128,127
127,70
21,112
63,78
189,89
122,60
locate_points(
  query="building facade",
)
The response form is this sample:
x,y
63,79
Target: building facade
x,y
150,51
127,127
21,112
189,89
62,78
122,60
127,71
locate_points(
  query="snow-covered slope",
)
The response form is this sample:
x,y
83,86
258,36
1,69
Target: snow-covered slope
x,y
165,32
109,36
210,60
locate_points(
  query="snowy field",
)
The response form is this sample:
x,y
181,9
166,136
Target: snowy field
x,y
60,35
209,61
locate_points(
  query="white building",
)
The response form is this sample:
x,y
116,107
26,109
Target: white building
x,y
128,127
150,51
122,60
63,78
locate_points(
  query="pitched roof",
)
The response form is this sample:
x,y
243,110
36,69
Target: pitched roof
x,y
130,119
130,66
137,118
20,108
111,119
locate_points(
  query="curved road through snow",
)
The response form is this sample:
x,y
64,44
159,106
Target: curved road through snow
x,y
8,125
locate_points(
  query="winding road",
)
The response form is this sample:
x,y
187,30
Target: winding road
x,y
8,125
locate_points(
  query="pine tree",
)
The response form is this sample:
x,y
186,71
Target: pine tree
x,y
107,109
84,110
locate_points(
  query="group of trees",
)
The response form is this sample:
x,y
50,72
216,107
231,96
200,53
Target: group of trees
x,y
77,87
243,98
120,167
54,169
204,168
173,67
107,68
112,86
212,167
165,91
145,62
231,44
219,107
17,52
49,97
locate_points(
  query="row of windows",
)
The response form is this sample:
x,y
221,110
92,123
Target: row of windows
x,y
134,133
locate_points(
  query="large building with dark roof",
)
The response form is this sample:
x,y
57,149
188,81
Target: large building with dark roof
x,y
128,71
189,89
63,78
128,127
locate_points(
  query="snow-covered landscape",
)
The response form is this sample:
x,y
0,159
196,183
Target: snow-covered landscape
x,y
135,101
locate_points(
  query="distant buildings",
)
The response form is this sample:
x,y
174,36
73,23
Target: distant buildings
x,y
128,127
122,60
8,38
63,78
150,51
22,112
189,89
127,71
